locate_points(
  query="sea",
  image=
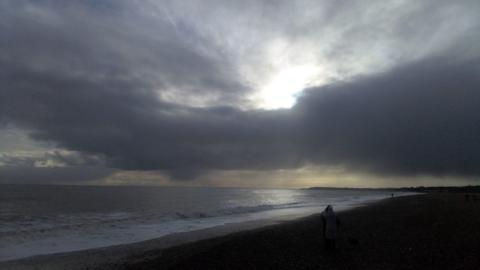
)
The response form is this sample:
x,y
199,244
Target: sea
x,y
43,219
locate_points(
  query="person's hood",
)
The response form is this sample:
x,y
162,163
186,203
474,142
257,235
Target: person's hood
x,y
329,211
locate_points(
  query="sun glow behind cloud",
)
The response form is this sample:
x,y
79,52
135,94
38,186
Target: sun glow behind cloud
x,y
283,86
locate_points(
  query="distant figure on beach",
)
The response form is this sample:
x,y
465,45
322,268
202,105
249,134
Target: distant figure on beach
x,y
330,223
392,195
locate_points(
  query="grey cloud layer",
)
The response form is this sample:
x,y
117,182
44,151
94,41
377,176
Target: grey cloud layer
x,y
91,83
342,37
80,41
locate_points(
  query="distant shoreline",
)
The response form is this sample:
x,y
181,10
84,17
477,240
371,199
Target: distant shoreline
x,y
469,188
421,189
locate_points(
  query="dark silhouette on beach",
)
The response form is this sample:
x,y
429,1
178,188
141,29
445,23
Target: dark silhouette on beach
x,y
330,223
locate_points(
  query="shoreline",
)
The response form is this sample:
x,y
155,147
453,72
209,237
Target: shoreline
x,y
117,253
430,231
259,219
123,253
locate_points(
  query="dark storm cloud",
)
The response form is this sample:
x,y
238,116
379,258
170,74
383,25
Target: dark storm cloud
x,y
422,118
91,84
136,131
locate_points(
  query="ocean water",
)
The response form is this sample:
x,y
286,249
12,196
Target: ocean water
x,y
50,219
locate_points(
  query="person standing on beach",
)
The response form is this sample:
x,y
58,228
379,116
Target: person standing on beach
x,y
331,223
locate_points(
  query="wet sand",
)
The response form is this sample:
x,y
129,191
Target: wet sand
x,y
433,231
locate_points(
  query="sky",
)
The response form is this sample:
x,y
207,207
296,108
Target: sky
x,y
240,93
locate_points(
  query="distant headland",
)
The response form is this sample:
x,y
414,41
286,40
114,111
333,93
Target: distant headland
x,y
453,189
